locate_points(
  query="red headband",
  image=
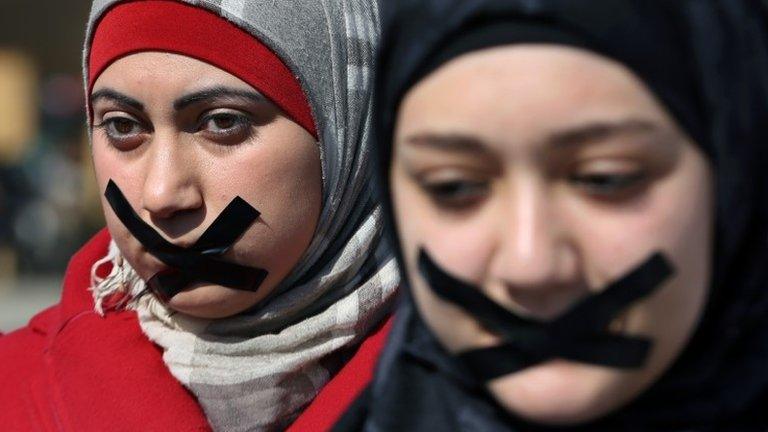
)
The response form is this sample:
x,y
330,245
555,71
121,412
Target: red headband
x,y
170,26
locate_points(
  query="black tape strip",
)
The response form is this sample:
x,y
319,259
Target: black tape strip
x,y
496,361
227,228
490,363
599,310
458,292
580,334
202,261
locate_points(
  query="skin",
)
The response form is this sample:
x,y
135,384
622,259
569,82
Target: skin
x,y
180,164
541,173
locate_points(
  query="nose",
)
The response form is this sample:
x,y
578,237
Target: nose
x,y
170,186
533,253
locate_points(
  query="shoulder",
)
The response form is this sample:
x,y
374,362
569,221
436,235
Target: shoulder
x,y
20,349
21,360
17,346
342,390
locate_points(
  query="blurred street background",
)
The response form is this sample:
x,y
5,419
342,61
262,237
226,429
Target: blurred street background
x,y
48,202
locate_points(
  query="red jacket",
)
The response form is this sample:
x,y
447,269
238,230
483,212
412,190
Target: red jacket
x,y
72,370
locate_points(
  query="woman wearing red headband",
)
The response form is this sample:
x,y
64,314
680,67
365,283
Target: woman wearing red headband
x,y
242,283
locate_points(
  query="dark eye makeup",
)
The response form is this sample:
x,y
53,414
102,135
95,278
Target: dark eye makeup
x,y
456,193
607,185
226,126
462,191
122,131
221,126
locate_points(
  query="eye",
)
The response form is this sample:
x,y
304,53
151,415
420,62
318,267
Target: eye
x,y
118,127
122,132
227,125
457,194
609,185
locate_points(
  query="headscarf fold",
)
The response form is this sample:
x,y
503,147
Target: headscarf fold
x,y
707,62
259,369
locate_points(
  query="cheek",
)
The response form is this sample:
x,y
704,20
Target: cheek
x,y
129,176
128,172
463,242
104,162
684,232
280,176
676,218
464,246
109,166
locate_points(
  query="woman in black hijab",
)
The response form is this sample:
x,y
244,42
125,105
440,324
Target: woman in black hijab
x,y
580,205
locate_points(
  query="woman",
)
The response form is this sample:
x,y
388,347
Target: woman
x,y
578,199
230,141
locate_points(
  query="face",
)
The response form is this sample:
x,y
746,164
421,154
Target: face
x,y
540,174
182,138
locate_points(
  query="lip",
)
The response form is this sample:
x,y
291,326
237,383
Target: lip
x,y
185,239
184,244
153,265
618,325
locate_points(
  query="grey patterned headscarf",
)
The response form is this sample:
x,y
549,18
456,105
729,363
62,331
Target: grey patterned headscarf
x,y
259,369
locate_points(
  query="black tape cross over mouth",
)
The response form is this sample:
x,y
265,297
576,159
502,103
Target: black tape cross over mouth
x,y
579,334
201,262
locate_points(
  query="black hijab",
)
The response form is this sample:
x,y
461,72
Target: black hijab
x,y
707,61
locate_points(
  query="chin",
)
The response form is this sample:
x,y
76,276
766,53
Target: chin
x,y
213,301
563,393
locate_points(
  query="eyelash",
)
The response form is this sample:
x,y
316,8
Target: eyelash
x,y
463,194
241,129
116,138
242,123
608,185
458,194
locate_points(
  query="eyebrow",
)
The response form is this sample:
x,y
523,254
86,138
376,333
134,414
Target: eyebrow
x,y
602,131
217,93
582,134
117,97
450,142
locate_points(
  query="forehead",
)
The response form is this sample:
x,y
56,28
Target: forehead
x,y
524,92
158,73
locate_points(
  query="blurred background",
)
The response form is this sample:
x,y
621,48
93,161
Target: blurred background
x,y
48,202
